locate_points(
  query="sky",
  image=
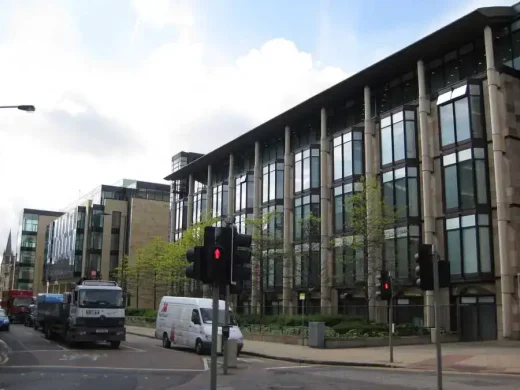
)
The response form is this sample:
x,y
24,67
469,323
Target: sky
x,y
122,85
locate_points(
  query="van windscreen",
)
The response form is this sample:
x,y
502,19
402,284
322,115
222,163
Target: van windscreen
x,y
207,317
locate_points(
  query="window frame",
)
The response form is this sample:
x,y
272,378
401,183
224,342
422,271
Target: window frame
x,y
408,169
346,190
355,135
311,153
275,168
409,114
392,233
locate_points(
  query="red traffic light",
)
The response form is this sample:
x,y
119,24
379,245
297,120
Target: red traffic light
x,y
216,254
386,286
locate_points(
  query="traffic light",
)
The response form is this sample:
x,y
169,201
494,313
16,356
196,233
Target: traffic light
x,y
424,268
384,286
241,263
217,241
197,269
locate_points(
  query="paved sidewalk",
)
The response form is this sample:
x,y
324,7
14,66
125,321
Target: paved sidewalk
x,y
484,357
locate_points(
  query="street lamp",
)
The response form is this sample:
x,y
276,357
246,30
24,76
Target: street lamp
x,y
23,107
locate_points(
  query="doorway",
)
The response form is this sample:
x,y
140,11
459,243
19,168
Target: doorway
x,y
478,318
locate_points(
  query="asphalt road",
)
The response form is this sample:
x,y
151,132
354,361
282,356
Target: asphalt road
x,y
29,361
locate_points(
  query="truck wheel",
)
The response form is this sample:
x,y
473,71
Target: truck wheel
x,y
199,348
115,344
165,342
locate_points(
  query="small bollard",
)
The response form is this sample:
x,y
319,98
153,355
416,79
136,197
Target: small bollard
x,y
231,352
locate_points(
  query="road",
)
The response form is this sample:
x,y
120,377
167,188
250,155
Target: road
x,y
29,361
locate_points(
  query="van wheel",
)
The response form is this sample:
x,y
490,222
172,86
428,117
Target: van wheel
x,y
165,342
199,348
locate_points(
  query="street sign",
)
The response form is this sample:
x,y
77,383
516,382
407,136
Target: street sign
x,y
302,296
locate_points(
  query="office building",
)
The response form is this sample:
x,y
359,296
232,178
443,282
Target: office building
x,y
93,235
28,269
437,124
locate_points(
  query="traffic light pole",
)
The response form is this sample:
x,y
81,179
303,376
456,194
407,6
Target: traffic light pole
x,y
226,300
391,319
214,336
437,297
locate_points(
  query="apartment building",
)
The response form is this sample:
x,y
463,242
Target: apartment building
x,y
437,123
93,235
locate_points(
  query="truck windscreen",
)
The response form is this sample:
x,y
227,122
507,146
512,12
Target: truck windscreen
x,y
101,298
22,301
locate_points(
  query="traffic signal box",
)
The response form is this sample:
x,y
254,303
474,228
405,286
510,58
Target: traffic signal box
x,y
424,269
384,286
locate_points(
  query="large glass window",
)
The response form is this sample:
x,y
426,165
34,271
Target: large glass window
x,y
96,240
398,137
272,182
342,211
274,225
348,155
465,179
507,45
469,246
27,257
199,202
349,264
272,268
28,241
30,223
461,115
220,200
244,192
307,266
98,218
401,245
306,170
306,210
401,191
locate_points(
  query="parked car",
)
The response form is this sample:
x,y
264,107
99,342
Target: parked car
x,y
4,320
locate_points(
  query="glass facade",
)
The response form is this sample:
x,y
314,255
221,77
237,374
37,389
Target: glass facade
x,y
348,155
244,194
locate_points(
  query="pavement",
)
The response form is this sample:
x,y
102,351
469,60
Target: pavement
x,y
483,357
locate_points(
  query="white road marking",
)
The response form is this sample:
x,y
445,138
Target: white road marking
x,y
132,348
2,368
91,356
37,350
289,367
205,362
62,347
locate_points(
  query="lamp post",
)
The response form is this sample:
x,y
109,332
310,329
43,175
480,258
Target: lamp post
x,y
23,107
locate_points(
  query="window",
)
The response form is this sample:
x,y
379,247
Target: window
x,y
349,264
195,317
96,240
199,202
401,245
95,261
307,170
220,200
465,179
397,92
401,191
469,246
30,223
272,182
507,45
181,207
275,224
28,241
461,115
342,211
98,218
116,219
240,222
398,137
306,209
244,192
348,155
114,242
272,268
307,266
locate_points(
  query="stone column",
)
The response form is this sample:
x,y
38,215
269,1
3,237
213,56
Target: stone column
x,y
370,172
189,285
206,288
173,210
231,211
288,216
506,277
256,299
325,185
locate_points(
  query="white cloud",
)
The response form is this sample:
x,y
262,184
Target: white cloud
x,y
97,122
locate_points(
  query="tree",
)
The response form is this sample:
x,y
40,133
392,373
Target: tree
x,y
367,216
267,254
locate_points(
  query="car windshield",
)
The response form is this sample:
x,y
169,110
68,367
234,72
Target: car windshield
x,y
22,301
207,317
101,298
2,313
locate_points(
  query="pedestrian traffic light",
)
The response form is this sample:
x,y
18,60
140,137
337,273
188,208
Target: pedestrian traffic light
x,y
217,241
197,269
241,263
424,268
384,286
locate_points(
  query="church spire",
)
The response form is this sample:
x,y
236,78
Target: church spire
x,y
9,248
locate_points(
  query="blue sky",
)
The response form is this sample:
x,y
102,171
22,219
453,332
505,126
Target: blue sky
x,y
122,85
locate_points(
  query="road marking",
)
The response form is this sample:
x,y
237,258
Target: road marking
x,y
37,350
35,367
289,367
92,356
132,348
205,362
62,347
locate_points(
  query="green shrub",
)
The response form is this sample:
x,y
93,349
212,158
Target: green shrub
x,y
358,327
410,330
141,312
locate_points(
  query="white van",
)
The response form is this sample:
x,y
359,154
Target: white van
x,y
186,322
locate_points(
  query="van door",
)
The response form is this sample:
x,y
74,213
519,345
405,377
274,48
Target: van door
x,y
160,322
194,328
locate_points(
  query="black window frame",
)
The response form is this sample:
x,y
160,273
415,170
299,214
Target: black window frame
x,y
352,135
411,232
406,115
276,169
410,173
312,153
351,261
343,192
300,205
